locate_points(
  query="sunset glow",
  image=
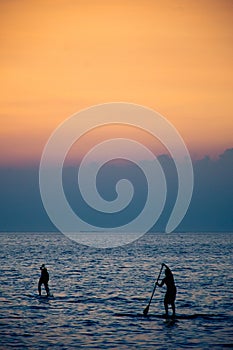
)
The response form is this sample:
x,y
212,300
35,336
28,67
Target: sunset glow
x,y
58,57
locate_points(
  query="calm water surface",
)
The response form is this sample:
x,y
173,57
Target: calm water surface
x,y
100,294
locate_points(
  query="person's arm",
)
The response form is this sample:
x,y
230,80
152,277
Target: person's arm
x,y
162,283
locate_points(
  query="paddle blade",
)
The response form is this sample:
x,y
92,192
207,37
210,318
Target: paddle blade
x,y
145,311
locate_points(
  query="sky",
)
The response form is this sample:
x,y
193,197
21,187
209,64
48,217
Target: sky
x,y
58,57
61,56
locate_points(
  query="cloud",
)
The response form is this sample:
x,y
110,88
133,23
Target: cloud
x,y
211,207
21,208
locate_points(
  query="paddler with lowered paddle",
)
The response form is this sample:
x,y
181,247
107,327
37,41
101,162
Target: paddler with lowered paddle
x,y
44,279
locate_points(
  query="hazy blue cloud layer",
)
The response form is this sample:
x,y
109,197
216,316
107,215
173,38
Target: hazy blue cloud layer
x,y
211,208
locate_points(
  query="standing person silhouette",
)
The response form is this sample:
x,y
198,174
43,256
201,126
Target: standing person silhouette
x,y
44,279
170,295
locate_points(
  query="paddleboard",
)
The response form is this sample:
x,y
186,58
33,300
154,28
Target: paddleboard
x,y
37,296
177,317
46,296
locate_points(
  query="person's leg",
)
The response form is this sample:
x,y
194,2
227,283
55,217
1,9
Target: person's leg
x,y
173,309
46,288
39,287
166,307
173,303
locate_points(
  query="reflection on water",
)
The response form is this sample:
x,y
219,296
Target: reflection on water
x,y
100,294
103,239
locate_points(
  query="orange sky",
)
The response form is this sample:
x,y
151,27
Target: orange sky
x,y
59,56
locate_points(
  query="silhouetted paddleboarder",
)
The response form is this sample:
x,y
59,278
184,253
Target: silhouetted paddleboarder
x,y
44,279
170,295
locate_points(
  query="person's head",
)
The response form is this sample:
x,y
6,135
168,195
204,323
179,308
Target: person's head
x,y
42,267
167,272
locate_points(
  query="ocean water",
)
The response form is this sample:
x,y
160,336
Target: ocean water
x,y
99,294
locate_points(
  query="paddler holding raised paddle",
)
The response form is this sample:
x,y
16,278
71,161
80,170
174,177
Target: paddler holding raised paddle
x,y
170,295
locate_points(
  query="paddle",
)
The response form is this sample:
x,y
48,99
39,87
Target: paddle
x,y
145,312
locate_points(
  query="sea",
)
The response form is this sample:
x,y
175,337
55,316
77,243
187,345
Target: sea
x,y
98,295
